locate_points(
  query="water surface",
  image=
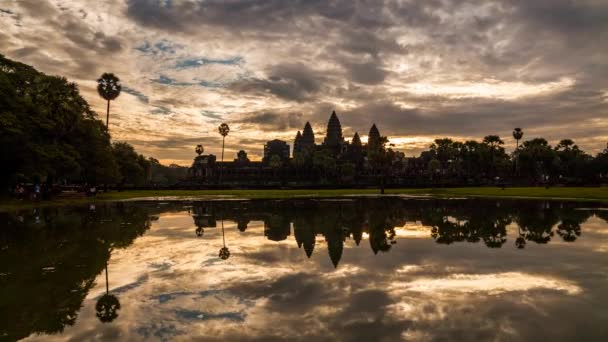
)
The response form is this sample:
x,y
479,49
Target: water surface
x,y
364,269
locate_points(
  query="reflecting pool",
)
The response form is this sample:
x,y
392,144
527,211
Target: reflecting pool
x,y
347,269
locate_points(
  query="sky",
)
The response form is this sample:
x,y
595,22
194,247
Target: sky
x,y
420,70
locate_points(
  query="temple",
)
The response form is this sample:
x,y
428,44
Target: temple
x,y
334,160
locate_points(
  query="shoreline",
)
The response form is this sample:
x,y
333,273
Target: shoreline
x,y
599,194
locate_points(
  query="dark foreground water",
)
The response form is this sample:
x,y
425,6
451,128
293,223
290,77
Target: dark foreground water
x,y
313,270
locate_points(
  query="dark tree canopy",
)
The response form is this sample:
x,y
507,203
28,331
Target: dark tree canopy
x,y
50,134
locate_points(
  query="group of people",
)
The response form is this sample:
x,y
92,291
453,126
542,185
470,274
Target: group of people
x,y
33,192
43,191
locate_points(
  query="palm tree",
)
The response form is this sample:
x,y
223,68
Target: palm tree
x,y
108,87
224,130
493,141
199,149
518,134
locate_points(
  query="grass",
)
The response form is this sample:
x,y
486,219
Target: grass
x,y
580,193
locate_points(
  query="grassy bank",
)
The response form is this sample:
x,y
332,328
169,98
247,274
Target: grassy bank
x,y
591,193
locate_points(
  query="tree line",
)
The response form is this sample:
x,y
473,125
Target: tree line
x,y
50,134
534,161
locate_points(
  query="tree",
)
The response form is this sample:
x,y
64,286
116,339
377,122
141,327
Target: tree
x,y
517,135
223,129
574,164
108,87
347,171
133,167
494,144
325,162
48,131
199,149
433,168
537,159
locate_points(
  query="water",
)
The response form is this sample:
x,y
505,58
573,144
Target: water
x,y
351,269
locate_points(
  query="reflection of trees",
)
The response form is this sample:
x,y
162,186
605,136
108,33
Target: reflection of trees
x,y
381,231
570,226
107,305
449,221
536,222
107,308
53,264
203,218
277,227
61,255
224,251
494,234
520,241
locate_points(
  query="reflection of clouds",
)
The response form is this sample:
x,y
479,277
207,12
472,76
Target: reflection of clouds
x,y
412,230
270,290
489,283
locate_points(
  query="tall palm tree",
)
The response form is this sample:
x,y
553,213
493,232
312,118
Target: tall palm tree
x,y
108,87
199,149
224,130
518,134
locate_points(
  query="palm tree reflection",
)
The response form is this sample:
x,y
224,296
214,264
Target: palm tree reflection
x,y
107,305
520,241
224,252
449,222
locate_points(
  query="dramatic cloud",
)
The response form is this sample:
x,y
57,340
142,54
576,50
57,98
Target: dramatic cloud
x,y
418,69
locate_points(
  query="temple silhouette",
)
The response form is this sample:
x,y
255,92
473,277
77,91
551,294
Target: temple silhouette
x,y
307,163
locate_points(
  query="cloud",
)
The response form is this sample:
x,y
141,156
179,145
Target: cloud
x,y
418,69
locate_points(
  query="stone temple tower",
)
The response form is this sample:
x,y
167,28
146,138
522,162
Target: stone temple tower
x,y
334,136
308,137
373,139
297,144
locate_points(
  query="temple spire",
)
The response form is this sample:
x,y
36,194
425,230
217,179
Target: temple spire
x,y
334,131
356,140
308,136
373,139
297,144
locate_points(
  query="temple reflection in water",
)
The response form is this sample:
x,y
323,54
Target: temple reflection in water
x,y
51,258
448,221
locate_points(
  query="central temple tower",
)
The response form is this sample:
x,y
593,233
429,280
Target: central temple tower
x,y
334,136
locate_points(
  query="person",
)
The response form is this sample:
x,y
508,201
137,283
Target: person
x,y
19,191
93,190
37,191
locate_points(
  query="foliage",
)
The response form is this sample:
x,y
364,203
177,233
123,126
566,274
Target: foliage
x,y
48,130
133,168
108,86
50,134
